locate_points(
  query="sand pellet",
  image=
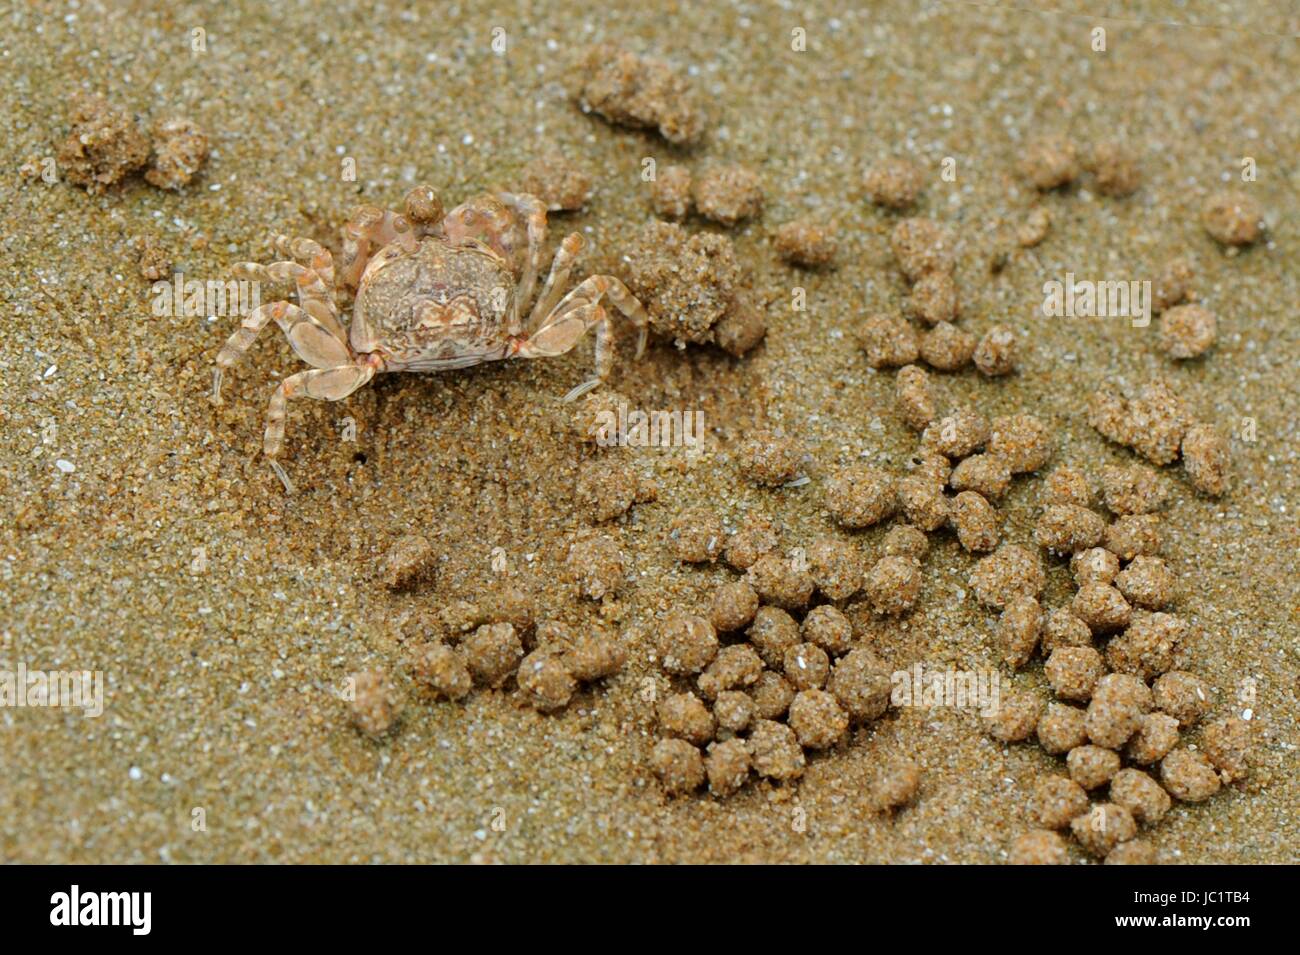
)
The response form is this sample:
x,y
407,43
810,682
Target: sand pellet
x,y
492,653
995,353
1115,170
545,681
1133,489
829,629
957,435
558,181
1048,162
931,465
987,474
1064,629
686,643
806,666
1108,416
1133,852
778,581
947,347
1073,672
914,397
1147,583
1024,441
1187,331
1156,735
817,719
670,192
1146,648
1016,718
1010,571
442,670
686,281
1119,701
1141,795
733,710
888,341
1067,485
636,91
1184,696
684,716
411,563
1207,459
934,299
807,242
894,183
1019,628
921,246
976,521
606,490
509,604
596,565
1096,565
861,683
770,459
103,147
1035,227
1068,528
735,667
755,538
923,502
771,695
1158,419
1133,535
1103,827
741,329
727,765
1232,217
697,535
1056,801
1189,776
1092,766
775,751
893,584
1226,744
1038,847
376,705
1172,284
591,654
1101,607
904,540
1060,729
772,633
836,568
733,608
679,766
728,193
860,495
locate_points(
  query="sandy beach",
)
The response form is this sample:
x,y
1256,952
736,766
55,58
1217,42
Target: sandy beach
x,y
145,538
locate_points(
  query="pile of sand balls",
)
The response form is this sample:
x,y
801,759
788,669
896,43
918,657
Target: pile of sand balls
x,y
495,643
1158,425
1113,660
774,670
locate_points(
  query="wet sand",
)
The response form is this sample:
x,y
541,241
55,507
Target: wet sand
x,y
221,684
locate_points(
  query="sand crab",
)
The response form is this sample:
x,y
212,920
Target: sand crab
x,y
433,293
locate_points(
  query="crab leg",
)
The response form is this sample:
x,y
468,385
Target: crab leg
x,y
534,212
313,342
327,384
561,266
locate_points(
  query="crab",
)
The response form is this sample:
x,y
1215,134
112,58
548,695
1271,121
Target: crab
x,y
433,293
